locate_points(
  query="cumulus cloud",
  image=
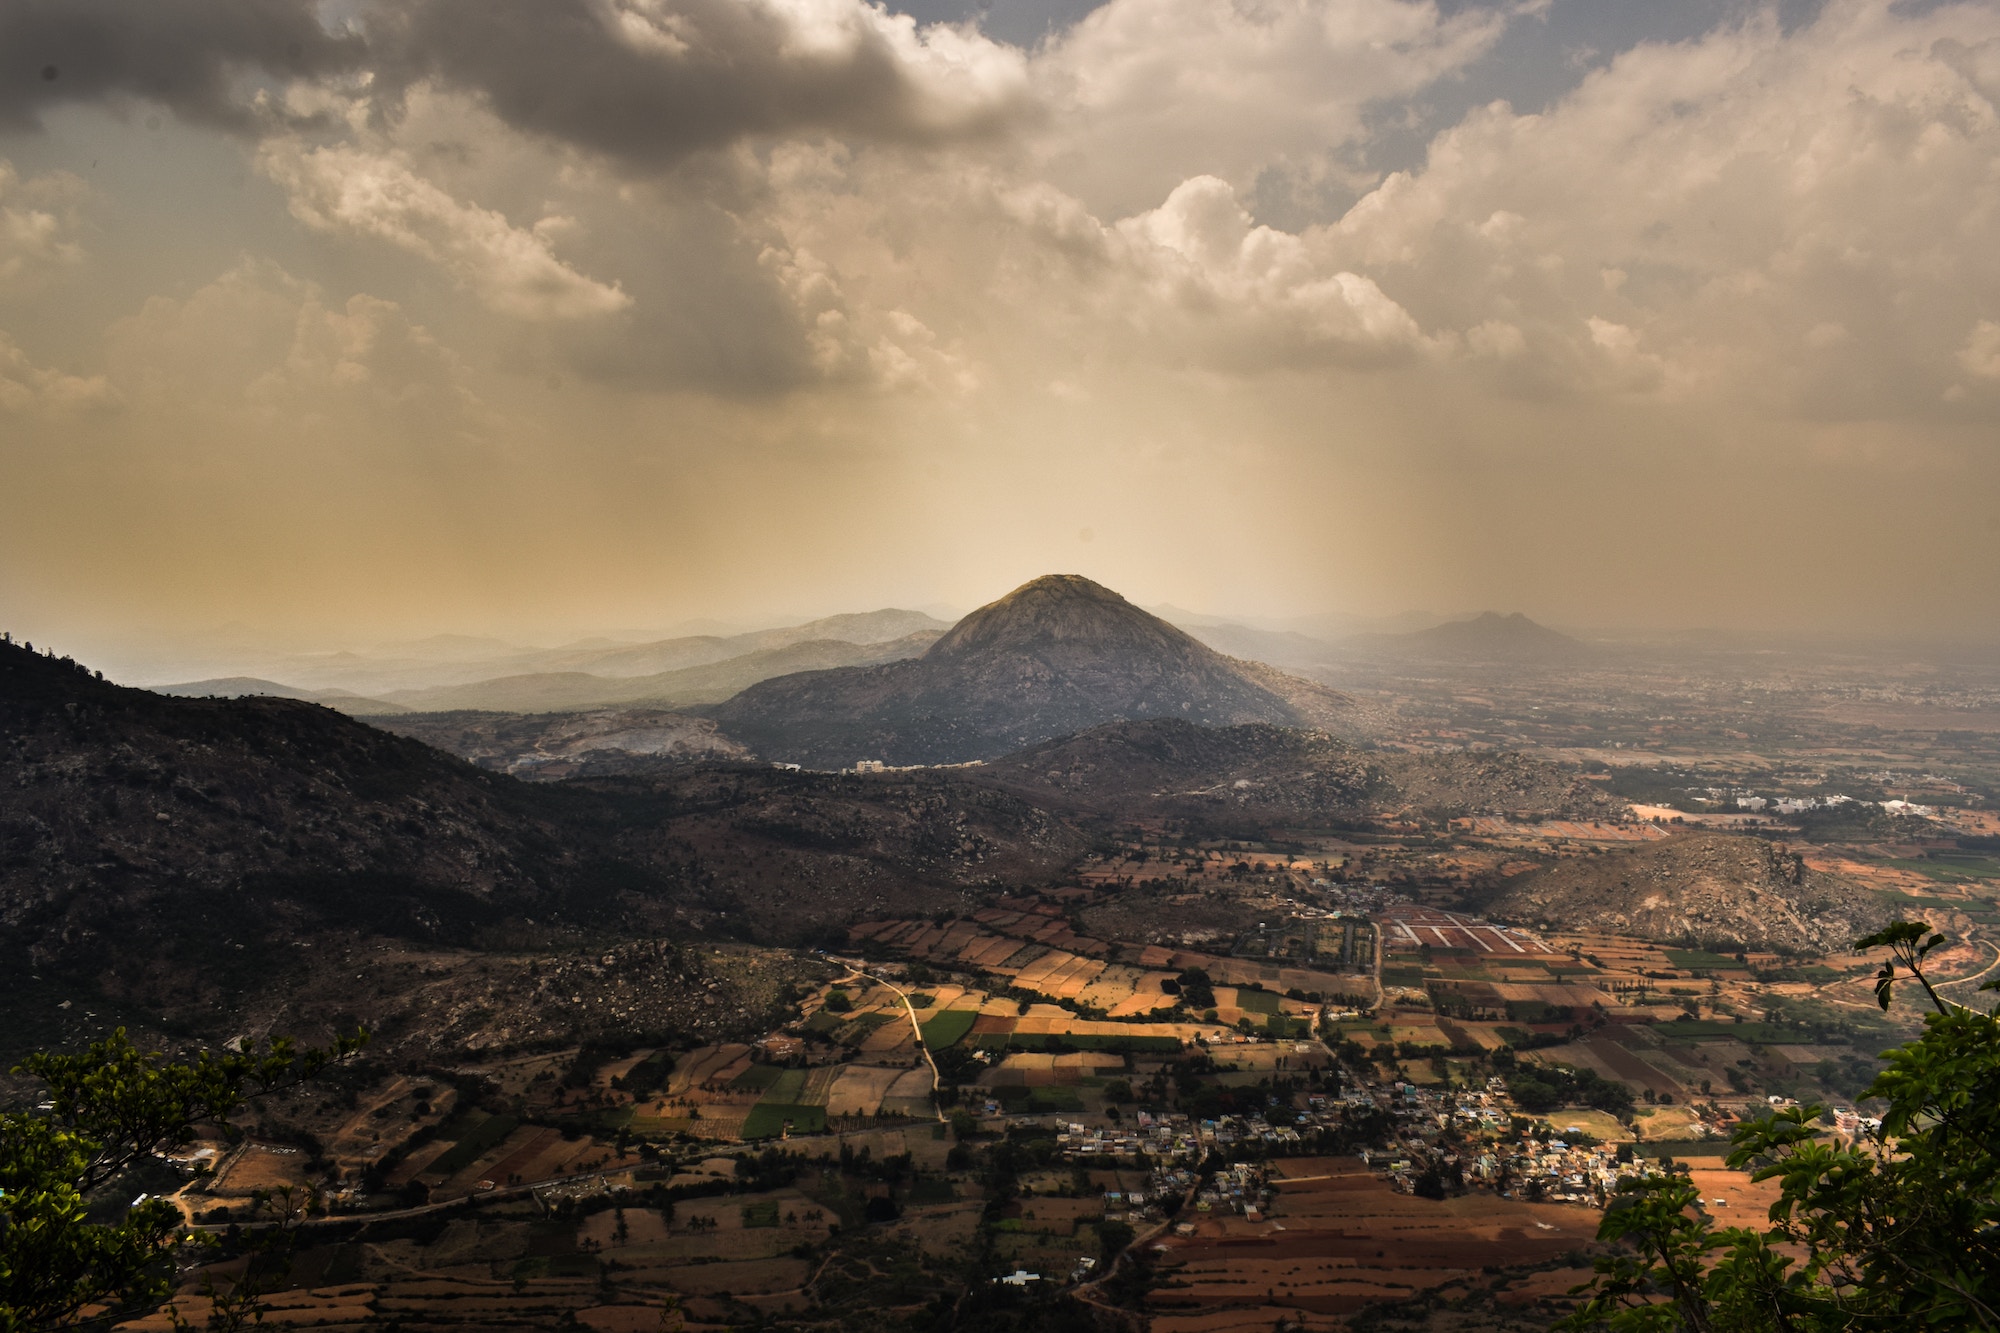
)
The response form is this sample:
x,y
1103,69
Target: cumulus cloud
x,y
37,224
647,82
511,269
1802,218
1261,296
194,56
791,247
1147,93
26,388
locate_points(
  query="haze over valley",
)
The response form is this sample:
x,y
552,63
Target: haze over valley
x,y
916,666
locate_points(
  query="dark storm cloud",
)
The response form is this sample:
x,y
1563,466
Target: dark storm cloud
x,y
190,55
647,84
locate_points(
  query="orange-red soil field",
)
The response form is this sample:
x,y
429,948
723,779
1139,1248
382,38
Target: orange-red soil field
x,y
1338,1238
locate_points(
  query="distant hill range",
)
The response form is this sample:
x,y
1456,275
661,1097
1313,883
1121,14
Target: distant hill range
x,y
449,673
1702,890
1490,637
1057,655
570,691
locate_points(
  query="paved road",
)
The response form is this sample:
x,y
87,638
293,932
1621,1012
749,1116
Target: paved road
x,y
389,1214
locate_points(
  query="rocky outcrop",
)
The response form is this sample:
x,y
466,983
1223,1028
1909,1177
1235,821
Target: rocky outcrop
x,y
1280,775
1700,890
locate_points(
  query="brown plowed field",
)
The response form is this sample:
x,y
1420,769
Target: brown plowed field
x,y
1339,1239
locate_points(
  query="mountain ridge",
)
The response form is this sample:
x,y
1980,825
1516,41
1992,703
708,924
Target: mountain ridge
x,y
176,854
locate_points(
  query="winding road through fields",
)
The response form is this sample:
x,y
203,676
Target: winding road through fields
x,y
917,1028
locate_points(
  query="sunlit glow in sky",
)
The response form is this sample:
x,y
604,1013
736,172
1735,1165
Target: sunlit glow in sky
x,y
334,322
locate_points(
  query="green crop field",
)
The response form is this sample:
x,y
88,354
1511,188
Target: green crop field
x,y
1257,1001
948,1027
1091,1041
1019,1099
763,1213
767,1120
480,1137
1952,869
786,1088
1701,960
756,1078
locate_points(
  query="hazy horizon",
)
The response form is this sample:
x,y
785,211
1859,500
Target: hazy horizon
x,y
360,322
138,656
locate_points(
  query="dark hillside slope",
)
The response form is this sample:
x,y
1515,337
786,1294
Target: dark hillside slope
x,y
121,800
1279,775
1703,890
1054,656
179,851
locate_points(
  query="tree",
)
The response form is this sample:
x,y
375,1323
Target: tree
x,y
111,1108
1900,1229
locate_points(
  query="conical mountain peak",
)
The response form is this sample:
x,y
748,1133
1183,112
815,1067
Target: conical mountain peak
x,y
1059,612
1057,655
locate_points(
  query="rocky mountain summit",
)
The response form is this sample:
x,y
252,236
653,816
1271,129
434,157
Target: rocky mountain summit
x,y
1056,655
1699,890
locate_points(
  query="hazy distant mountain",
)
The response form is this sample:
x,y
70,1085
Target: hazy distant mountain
x,y
711,682
238,687
1490,637
1054,656
391,670
1704,890
862,628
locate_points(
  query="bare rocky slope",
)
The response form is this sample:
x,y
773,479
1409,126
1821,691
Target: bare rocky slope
x,y
1278,775
1055,656
545,746
1700,890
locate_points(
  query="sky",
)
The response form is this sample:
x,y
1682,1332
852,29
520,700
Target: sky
x,y
328,323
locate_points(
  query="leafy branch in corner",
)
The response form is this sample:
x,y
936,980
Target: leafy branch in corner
x,y
110,1108
1898,1229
